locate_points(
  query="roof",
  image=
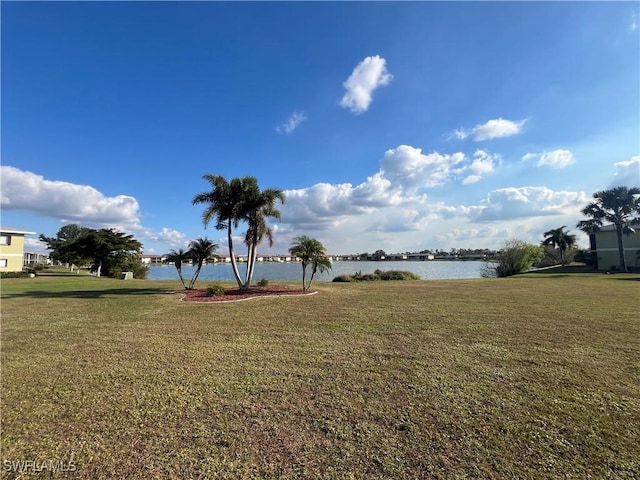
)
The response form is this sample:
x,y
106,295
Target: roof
x,y
609,228
4,229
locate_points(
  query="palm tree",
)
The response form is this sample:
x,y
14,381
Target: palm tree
x,y
240,201
558,238
202,249
617,206
311,252
177,257
257,206
222,205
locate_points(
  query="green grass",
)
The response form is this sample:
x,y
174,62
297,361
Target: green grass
x,y
535,376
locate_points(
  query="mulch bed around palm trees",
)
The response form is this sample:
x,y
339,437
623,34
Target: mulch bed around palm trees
x,y
235,294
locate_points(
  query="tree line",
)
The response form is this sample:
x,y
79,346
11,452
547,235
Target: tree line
x,y
228,204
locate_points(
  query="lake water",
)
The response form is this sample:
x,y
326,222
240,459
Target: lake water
x,y
292,272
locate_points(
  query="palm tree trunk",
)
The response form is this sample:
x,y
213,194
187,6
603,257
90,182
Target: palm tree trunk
x,y
99,268
623,264
234,264
195,276
181,278
247,274
313,272
304,272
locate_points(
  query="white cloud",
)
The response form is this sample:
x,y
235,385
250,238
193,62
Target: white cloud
x,y
627,173
409,168
292,123
496,128
483,163
404,171
22,190
509,203
367,76
634,22
171,237
34,245
556,159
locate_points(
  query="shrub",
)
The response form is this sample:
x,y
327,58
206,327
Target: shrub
x,y
377,275
343,278
515,257
131,264
369,277
585,256
398,275
263,282
14,274
215,290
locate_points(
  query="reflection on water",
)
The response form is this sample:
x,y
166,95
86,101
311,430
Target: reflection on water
x,y
292,272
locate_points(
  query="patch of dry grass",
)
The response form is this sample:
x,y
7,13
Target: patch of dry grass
x,y
528,377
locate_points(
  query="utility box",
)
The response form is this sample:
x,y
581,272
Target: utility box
x,y
127,275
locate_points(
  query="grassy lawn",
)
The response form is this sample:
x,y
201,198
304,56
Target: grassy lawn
x,y
530,377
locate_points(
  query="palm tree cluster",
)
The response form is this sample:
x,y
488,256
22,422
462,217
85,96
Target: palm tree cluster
x,y
230,203
618,206
311,253
200,251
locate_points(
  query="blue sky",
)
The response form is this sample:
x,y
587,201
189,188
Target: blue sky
x,y
394,126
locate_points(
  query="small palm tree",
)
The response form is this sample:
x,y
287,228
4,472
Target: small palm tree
x,y
177,258
560,239
311,252
617,206
202,249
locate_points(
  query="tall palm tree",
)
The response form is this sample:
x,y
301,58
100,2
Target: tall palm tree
x,y
257,207
618,206
310,252
177,258
240,200
560,239
201,250
222,205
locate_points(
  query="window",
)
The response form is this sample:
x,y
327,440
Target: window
x,y
3,263
5,239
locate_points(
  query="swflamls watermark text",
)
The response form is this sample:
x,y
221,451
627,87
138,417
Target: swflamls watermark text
x,y
37,466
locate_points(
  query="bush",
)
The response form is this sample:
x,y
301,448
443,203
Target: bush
x,y
377,275
585,256
515,257
114,268
263,282
344,278
215,290
14,274
398,275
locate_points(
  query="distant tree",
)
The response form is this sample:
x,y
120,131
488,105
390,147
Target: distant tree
x,y
106,248
515,257
559,239
177,257
201,250
311,252
379,254
619,206
63,247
